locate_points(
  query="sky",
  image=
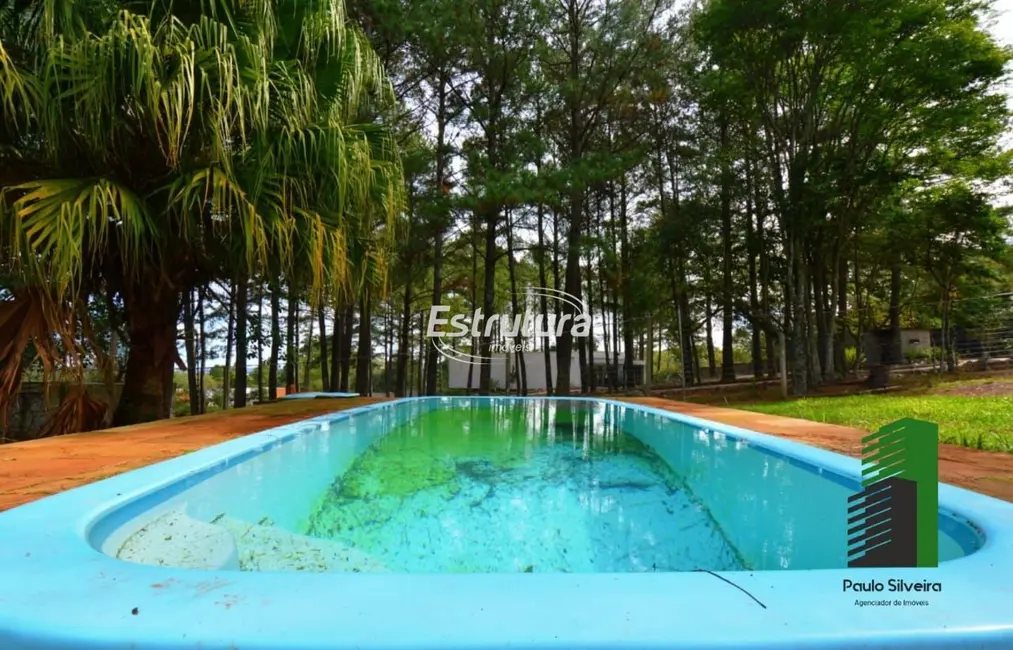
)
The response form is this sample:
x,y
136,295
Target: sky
x,y
1003,28
1002,31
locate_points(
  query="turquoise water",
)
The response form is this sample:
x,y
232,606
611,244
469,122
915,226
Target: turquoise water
x,y
499,489
465,485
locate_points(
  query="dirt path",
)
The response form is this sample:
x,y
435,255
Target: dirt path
x,y
982,471
34,469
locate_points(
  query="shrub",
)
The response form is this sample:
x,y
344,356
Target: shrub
x,y
915,355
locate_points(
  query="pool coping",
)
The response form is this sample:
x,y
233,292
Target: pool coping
x,y
59,592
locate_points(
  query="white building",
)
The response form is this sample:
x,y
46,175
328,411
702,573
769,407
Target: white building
x,y
503,366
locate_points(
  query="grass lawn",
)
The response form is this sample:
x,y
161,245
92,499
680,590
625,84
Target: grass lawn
x,y
980,422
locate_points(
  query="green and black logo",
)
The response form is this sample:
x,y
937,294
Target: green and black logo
x,y
894,520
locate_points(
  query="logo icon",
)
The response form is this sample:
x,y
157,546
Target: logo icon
x,y
894,520
525,327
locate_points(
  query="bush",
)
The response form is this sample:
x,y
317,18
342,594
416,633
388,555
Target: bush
x,y
915,355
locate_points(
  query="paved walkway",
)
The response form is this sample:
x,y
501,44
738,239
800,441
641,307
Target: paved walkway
x,y
32,470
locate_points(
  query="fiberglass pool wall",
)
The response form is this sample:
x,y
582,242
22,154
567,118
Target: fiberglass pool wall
x,y
777,514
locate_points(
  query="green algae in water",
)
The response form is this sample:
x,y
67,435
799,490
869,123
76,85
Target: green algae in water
x,y
508,487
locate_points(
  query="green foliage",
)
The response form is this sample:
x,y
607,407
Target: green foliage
x,y
914,355
739,157
960,235
237,127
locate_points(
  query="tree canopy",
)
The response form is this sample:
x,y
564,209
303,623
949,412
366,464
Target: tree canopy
x,y
302,180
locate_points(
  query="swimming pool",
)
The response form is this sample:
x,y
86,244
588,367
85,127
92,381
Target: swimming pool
x,y
491,522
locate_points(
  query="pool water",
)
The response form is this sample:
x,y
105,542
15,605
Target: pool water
x,y
491,490
465,485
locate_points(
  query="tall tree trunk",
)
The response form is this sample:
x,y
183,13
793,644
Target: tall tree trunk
x,y
949,342
796,284
307,382
542,254
602,297
859,311
812,338
422,352
488,297
442,116
242,340
191,355
272,373
260,343
709,333
297,346
626,284
388,345
610,376
756,350
673,284
687,345
819,317
230,334
346,347
727,297
474,291
842,315
544,303
290,341
364,353
556,276
615,340
696,357
614,289
522,369
765,306
325,378
588,383
830,314
404,354
661,348
677,272
402,375
152,314
649,357
336,341
203,347
894,350
575,151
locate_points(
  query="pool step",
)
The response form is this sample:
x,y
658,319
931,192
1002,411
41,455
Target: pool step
x,y
263,547
176,539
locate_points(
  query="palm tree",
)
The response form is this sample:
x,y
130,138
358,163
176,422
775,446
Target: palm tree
x,y
148,153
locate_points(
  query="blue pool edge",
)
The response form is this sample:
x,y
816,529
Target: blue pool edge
x,y
57,591
319,395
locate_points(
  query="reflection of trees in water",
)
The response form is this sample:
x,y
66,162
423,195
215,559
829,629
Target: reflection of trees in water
x,y
470,453
435,489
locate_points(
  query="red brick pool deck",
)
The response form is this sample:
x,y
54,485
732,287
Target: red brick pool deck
x,y
34,469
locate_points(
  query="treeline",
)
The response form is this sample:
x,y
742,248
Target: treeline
x,y
746,171
739,172
690,173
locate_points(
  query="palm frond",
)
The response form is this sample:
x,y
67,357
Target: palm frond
x,y
53,224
